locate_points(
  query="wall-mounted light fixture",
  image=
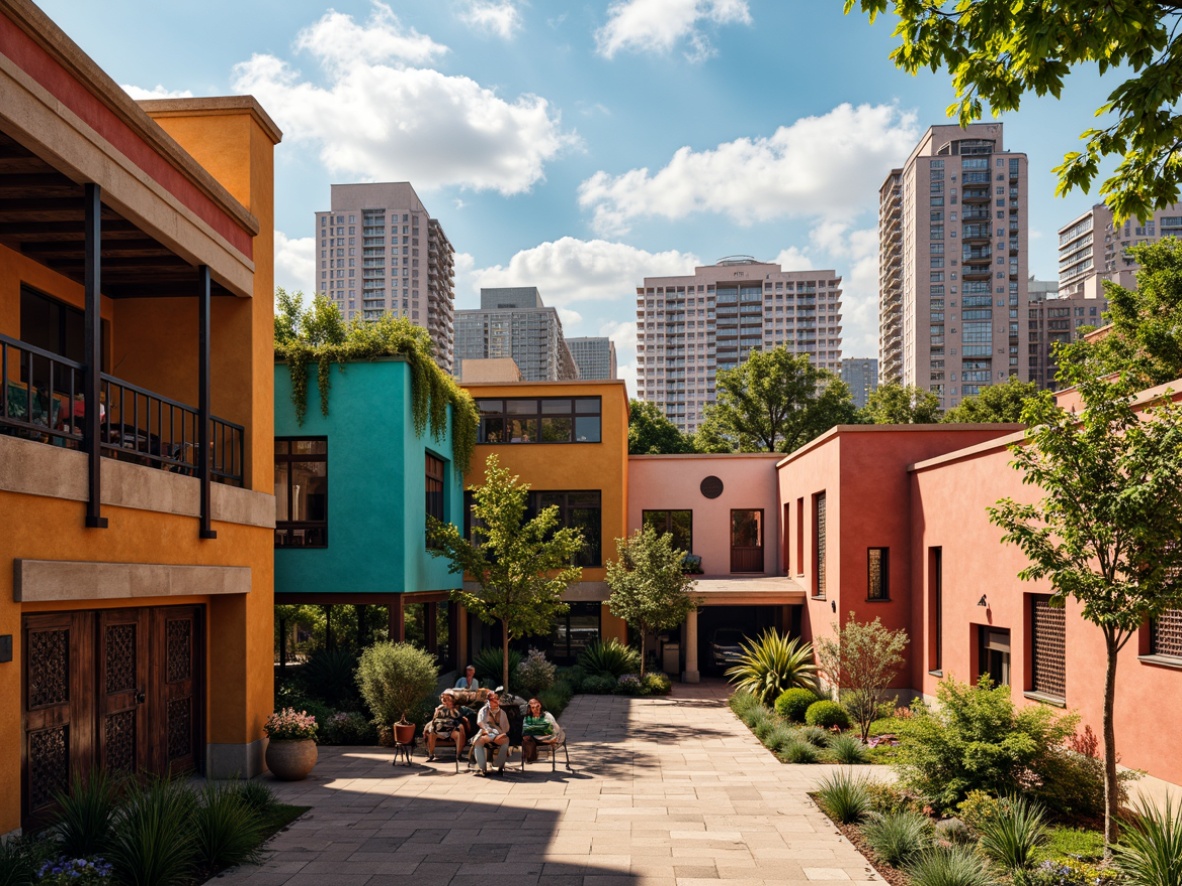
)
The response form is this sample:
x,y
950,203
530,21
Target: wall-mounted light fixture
x,y
983,602
833,605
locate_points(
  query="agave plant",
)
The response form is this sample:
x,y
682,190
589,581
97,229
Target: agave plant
x,y
1012,836
772,664
612,658
1151,854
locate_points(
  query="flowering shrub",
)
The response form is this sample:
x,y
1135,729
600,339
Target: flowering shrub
x,y
535,674
346,727
290,725
630,684
75,872
1070,872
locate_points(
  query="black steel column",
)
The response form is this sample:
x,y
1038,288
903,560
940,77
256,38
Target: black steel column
x,y
204,430
92,380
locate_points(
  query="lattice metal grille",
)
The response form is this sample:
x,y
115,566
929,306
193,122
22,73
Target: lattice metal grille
x,y
1165,633
120,742
180,728
49,668
121,672
1050,648
49,764
820,530
877,580
180,649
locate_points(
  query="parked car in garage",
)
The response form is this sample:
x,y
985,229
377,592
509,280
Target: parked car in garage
x,y
725,648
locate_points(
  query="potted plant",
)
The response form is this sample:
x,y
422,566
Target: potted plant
x,y
395,679
291,749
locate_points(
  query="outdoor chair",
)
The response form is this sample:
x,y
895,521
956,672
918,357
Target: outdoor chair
x,y
553,748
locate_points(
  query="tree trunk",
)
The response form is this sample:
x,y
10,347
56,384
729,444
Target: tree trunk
x,y
1111,795
283,646
328,644
505,654
643,636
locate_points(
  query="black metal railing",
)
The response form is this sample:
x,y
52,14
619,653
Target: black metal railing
x,y
40,392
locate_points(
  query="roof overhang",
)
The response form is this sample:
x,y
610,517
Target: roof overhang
x,y
755,590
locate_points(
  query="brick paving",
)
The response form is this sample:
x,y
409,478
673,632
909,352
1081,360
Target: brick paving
x,y
666,792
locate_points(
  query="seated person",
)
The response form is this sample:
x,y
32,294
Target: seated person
x,y
493,725
539,727
468,681
447,724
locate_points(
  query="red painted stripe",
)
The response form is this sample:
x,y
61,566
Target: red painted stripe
x,y
43,68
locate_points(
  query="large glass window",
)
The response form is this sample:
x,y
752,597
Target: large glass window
x,y
679,524
435,486
575,631
540,420
576,510
301,492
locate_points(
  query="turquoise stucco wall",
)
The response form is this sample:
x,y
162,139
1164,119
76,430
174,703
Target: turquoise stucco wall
x,y
376,486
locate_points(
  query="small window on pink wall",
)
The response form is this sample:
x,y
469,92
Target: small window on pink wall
x,y
800,536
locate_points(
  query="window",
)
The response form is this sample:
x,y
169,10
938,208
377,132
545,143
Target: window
x,y
1165,634
878,582
435,487
936,606
993,654
1048,641
819,545
575,631
576,510
540,420
301,492
679,524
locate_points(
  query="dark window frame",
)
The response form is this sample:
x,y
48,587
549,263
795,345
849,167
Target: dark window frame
x,y
820,530
884,575
312,529
494,427
646,515
591,557
936,583
1039,681
435,476
1155,630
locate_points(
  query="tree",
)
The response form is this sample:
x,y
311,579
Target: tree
x,y
1106,530
521,567
895,404
996,403
861,661
649,588
650,432
774,402
1145,335
998,51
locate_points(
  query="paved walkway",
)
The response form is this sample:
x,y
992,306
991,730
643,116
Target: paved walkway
x,y
666,792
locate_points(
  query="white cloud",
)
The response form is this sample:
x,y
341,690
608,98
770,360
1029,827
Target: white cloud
x,y
295,263
794,259
157,91
854,253
377,117
659,25
501,18
829,166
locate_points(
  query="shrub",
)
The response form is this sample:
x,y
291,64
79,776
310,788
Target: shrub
x,y
152,843
328,674
227,830
897,837
490,662
612,659
573,677
848,749
396,678
954,832
1072,872
758,715
85,816
827,714
1011,837
1151,854
975,740
792,703
797,751
630,684
780,737
772,664
844,797
556,698
256,795
977,809
1072,779
65,871
535,674
1064,842
290,725
657,683
600,685
951,866
815,735
742,702
20,859
764,728
348,728
886,798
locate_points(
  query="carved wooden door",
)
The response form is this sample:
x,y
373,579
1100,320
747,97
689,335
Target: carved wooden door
x,y
123,673
176,708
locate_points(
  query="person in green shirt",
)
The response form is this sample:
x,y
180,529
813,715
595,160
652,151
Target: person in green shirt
x,y
539,727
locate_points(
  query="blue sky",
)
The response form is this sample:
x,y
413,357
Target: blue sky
x,y
580,146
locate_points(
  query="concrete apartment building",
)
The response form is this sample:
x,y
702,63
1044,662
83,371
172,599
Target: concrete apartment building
x,y
1093,248
953,256
381,252
594,355
513,322
691,326
861,374
1057,317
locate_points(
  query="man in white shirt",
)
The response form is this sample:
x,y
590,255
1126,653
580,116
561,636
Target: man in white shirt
x,y
468,681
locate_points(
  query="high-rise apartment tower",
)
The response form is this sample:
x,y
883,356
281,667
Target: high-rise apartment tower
x,y
861,376
513,322
380,252
1093,248
595,356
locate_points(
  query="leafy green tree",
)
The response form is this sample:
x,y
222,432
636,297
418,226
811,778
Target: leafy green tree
x,y
996,403
521,566
1105,533
649,588
650,432
774,402
861,660
895,404
998,51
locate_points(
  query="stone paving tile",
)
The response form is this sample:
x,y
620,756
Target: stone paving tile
x,y
664,792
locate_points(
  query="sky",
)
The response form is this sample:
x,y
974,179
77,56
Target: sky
x,y
582,146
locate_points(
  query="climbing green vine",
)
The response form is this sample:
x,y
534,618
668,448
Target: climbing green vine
x,y
320,335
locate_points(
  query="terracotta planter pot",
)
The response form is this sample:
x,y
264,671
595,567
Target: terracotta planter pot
x,y
291,760
404,733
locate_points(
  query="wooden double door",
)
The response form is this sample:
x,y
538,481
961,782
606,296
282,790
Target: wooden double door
x,y
117,688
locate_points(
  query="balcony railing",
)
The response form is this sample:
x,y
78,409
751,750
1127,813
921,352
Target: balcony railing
x,y
42,399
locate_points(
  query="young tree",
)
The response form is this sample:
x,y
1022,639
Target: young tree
x,y
860,662
521,567
995,404
649,587
774,402
895,404
650,432
1105,532
998,51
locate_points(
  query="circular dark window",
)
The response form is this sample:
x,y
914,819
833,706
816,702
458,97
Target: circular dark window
x,y
711,487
